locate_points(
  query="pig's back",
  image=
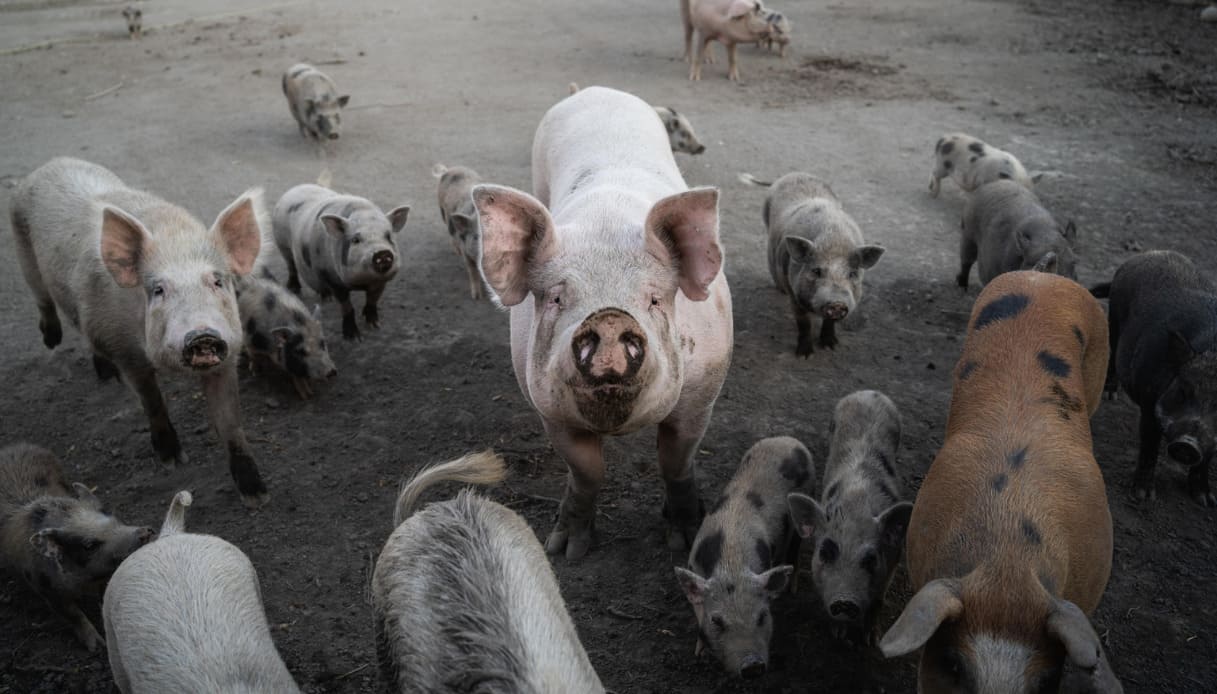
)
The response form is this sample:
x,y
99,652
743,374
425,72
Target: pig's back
x,y
601,137
190,619
26,473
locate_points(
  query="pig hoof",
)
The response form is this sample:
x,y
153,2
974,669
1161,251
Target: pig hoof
x,y
105,369
350,330
962,281
556,542
52,334
89,638
829,342
575,542
254,502
804,349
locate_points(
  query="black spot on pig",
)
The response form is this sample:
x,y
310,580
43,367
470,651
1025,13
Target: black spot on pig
x,y
1001,308
941,142
833,488
718,503
293,356
1066,404
966,370
947,147
41,481
887,464
764,554
294,206
1077,332
977,147
1053,364
708,552
306,255
972,159
1017,458
829,551
948,165
796,467
346,249
757,501
998,482
1003,175
37,518
269,301
1030,532
730,588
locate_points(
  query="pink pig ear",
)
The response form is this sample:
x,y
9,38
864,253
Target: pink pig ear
x,y
239,231
687,226
517,235
125,243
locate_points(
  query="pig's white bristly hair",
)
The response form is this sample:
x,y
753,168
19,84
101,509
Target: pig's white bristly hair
x,y
175,519
486,467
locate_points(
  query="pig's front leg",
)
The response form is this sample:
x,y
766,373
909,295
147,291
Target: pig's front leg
x,y
584,455
224,410
678,439
475,278
350,329
803,320
1198,484
142,379
732,65
967,257
1147,457
371,313
85,632
828,333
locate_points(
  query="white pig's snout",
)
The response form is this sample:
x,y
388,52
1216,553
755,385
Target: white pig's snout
x,y
609,346
203,348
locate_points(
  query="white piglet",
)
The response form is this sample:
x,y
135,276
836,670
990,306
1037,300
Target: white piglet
x,y
971,163
464,599
314,102
184,615
620,312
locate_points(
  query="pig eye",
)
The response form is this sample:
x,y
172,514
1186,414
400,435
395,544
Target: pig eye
x,y
817,272
158,290
853,274
718,623
356,239
557,301
654,301
219,282
762,617
322,345
870,562
828,551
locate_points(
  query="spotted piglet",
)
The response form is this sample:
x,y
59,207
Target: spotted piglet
x,y
314,102
457,211
135,21
744,553
680,131
971,163
281,331
338,244
65,544
857,528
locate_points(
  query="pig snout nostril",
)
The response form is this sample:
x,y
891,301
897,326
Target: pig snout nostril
x,y
204,349
752,668
634,346
333,136
1185,450
382,261
699,149
836,311
844,608
584,347
332,373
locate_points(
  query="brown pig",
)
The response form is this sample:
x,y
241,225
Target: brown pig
x,y
1009,544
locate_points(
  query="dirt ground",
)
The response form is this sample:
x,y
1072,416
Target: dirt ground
x,y
1115,99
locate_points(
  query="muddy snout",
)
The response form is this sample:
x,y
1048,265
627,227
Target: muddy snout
x,y
204,349
752,667
836,311
844,610
609,347
382,261
1185,450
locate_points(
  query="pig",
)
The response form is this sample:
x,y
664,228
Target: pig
x,y
184,614
971,164
1162,323
1009,544
456,210
779,33
463,598
60,539
314,102
135,21
338,244
1004,227
620,312
744,555
817,255
149,287
730,22
857,527
280,330
680,131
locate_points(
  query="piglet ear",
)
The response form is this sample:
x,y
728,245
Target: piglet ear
x,y
86,495
462,225
397,217
46,544
686,225
1069,625
238,231
344,100
806,512
693,585
800,249
867,256
937,601
125,243
894,524
1048,263
774,580
517,235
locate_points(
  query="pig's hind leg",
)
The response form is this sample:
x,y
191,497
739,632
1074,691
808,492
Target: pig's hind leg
x,y
48,319
802,320
1198,485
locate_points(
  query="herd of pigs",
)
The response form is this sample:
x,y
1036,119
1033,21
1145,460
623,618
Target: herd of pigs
x,y
620,318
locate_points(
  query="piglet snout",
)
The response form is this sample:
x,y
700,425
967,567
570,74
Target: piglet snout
x,y
836,311
204,349
382,261
752,667
844,609
1185,450
609,345
699,149
333,136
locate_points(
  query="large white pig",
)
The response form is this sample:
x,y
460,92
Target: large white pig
x,y
148,286
620,313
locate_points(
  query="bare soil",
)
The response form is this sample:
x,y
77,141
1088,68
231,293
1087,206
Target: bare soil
x,y
1116,99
